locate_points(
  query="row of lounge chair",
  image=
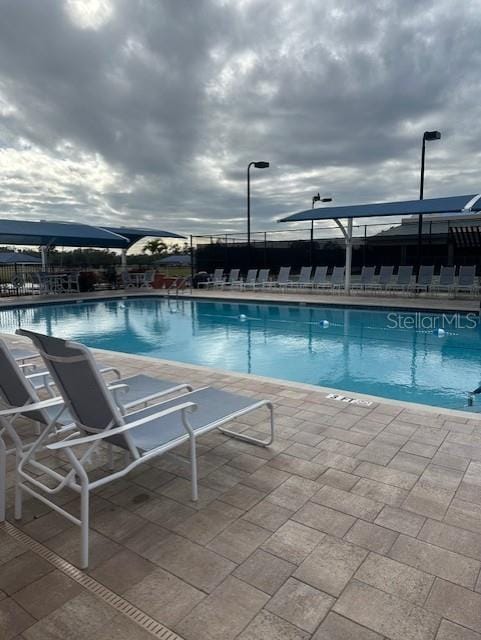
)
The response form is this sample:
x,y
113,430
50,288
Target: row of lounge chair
x,y
85,417
387,281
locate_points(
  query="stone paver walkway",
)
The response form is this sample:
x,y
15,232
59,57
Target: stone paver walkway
x,y
359,523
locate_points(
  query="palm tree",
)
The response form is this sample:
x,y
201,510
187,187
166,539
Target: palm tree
x,y
155,247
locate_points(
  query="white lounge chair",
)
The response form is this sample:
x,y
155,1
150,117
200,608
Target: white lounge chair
x,y
425,278
403,280
249,281
262,280
366,280
233,279
446,280
337,278
144,434
148,280
466,279
282,279
319,281
304,279
384,280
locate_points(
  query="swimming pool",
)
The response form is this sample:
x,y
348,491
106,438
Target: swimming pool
x,y
397,355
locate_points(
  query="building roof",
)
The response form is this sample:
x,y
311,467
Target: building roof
x,y
14,257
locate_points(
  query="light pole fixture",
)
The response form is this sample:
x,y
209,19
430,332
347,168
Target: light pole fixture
x,y
428,136
258,165
316,198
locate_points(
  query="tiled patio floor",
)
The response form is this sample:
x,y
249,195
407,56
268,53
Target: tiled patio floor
x,y
359,523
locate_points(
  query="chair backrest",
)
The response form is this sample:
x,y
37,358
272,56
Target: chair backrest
x,y
234,275
404,275
367,275
337,276
263,275
466,275
15,389
251,276
218,274
320,275
76,376
385,274
305,275
446,277
125,276
283,276
425,275
148,277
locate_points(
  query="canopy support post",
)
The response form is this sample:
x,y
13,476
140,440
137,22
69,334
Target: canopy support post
x,y
123,259
347,233
44,254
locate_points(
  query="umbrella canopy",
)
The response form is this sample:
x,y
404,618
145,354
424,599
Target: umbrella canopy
x,y
133,234
66,234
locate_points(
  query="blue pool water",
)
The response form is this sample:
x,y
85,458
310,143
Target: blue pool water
x,y
379,352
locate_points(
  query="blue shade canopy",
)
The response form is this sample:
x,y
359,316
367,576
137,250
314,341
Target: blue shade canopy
x,y
12,257
65,234
133,234
452,204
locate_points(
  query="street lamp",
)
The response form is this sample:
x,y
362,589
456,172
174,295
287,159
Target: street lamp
x,y
428,136
258,165
316,198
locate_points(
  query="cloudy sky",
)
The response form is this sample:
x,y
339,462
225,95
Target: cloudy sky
x,y
148,111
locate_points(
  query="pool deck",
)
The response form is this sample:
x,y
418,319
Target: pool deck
x,y
360,522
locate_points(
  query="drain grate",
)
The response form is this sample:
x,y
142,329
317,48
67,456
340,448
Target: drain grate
x,y
157,629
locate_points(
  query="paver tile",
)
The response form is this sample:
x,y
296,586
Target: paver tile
x,y
450,631
456,604
264,571
452,538
239,540
339,479
395,578
400,520
164,597
45,595
348,503
21,571
122,571
293,493
386,614
267,626
401,479
371,536
293,542
331,565
268,515
380,492
335,627
439,562
13,619
300,604
224,614
324,519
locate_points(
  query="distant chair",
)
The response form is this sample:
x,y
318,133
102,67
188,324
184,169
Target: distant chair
x,y
232,280
304,279
425,278
262,279
282,279
337,278
384,280
319,280
251,277
148,280
446,280
73,282
217,279
367,278
403,280
467,279
40,279
126,279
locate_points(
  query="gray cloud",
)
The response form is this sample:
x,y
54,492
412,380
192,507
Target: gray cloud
x,y
148,112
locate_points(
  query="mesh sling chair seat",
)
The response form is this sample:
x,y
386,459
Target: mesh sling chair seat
x,y
304,279
366,279
403,279
282,279
446,280
144,434
384,280
320,278
425,278
18,393
232,280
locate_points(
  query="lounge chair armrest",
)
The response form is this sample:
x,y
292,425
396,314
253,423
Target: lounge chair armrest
x,y
109,369
51,402
108,433
118,386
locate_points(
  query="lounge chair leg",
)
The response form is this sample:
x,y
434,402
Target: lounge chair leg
x,y
84,526
193,467
3,478
18,492
110,456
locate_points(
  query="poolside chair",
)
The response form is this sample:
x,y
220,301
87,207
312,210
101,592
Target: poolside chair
x,y
446,280
217,280
366,280
384,280
232,280
337,278
403,280
144,434
250,280
73,282
282,279
148,280
425,278
126,280
466,279
304,279
319,280
262,279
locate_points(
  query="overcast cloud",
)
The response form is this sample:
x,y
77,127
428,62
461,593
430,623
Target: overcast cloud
x,y
148,111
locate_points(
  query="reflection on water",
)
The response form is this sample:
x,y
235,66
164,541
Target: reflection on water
x,y
351,349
